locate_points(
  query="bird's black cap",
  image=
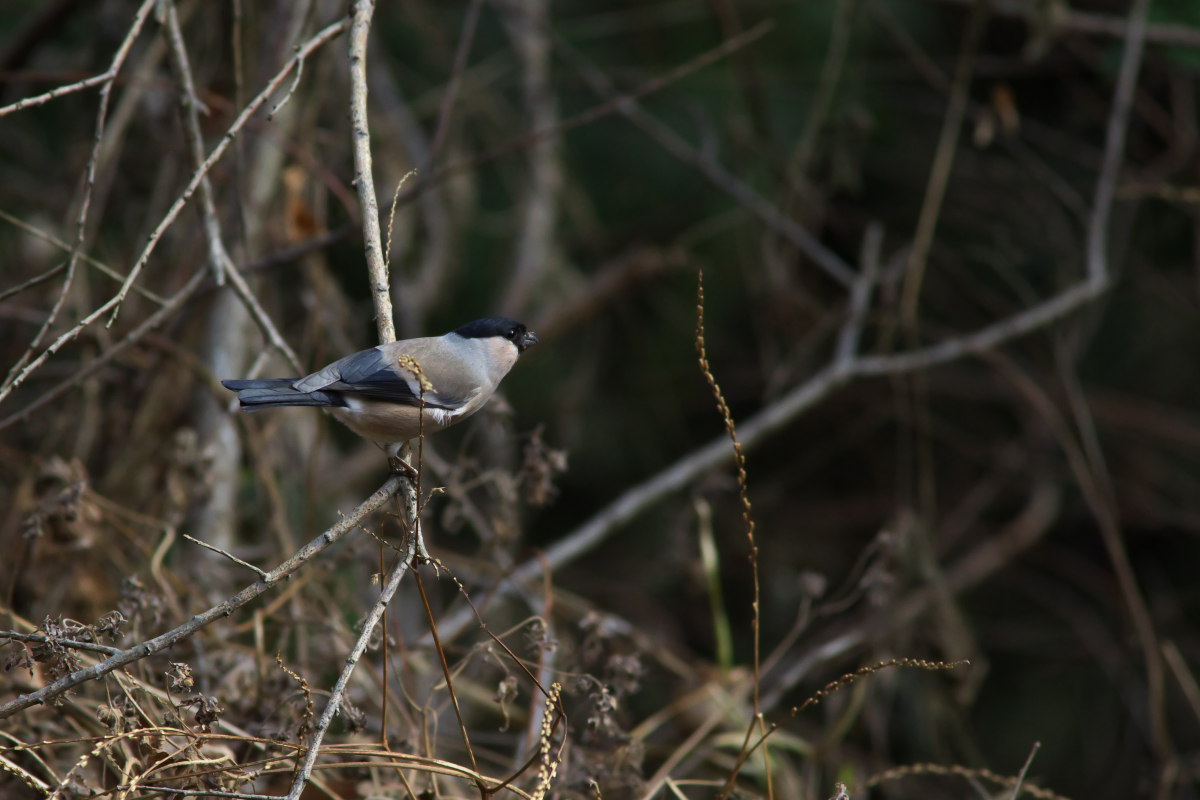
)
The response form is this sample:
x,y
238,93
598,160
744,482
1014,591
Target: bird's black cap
x,y
503,327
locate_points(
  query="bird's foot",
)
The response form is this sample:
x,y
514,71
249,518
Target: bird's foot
x,y
401,467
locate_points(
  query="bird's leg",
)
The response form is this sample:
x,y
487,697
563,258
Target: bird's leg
x,y
396,462
399,466
402,468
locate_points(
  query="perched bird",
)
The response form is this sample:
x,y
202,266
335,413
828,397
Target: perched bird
x,y
377,395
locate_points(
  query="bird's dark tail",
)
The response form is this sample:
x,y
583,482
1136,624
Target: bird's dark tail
x,y
271,392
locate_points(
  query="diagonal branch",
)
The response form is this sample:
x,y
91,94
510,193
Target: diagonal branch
x,y
713,170
302,52
219,611
339,688
846,365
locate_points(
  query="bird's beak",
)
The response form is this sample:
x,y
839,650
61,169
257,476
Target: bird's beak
x,y
528,340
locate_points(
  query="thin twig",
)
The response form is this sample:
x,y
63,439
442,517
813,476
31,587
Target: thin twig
x,y
45,97
191,128
262,574
259,314
1114,143
36,280
860,298
939,173
1070,20
74,644
106,78
1016,789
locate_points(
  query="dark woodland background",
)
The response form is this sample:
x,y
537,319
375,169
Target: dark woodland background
x,y
1031,507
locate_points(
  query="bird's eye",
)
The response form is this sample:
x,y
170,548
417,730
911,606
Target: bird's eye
x,y
512,333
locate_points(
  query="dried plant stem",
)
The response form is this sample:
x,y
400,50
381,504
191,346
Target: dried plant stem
x,y
829,689
449,679
871,669
739,458
219,611
963,772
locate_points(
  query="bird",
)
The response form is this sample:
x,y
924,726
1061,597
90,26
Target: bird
x,y
378,395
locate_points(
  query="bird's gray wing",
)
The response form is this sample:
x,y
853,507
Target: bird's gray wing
x,y
372,373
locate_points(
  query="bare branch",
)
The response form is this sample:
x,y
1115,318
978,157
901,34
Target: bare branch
x,y
238,124
1114,143
758,427
17,373
72,643
364,179
169,307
